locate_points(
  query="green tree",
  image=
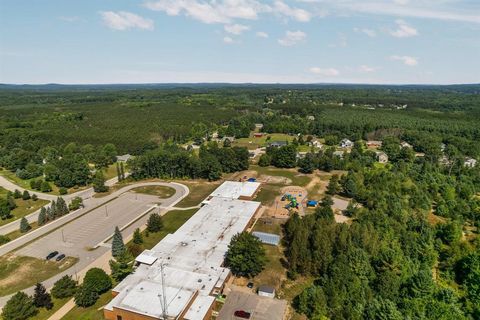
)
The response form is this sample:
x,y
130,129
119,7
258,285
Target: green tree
x,y
34,197
118,247
17,194
24,226
61,207
307,164
246,255
5,211
333,185
121,266
99,182
19,307
26,195
41,298
137,236
154,223
86,295
119,173
42,216
98,280
45,187
65,287
122,170
264,160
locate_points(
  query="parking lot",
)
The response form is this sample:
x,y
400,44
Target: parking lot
x,y
260,308
79,237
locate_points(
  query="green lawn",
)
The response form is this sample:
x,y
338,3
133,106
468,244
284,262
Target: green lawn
x,y
94,312
159,191
24,207
172,220
20,272
110,172
253,142
44,314
267,194
198,192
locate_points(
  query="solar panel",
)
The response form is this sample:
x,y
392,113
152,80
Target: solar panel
x,y
267,238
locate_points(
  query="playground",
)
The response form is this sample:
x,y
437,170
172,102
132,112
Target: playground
x,y
291,198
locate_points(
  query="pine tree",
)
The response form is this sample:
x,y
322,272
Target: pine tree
x,y
26,195
42,216
61,207
11,202
118,247
50,214
137,236
34,197
122,170
41,298
99,182
53,209
19,307
17,194
333,186
24,226
119,173
155,223
122,266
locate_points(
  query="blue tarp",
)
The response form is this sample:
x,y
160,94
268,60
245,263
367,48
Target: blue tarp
x,y
312,203
267,238
252,180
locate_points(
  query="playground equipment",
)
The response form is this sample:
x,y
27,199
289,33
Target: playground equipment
x,y
292,201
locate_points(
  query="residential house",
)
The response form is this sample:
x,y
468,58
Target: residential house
x,y
345,143
381,157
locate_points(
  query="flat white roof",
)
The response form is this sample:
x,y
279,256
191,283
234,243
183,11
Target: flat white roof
x,y
235,190
191,259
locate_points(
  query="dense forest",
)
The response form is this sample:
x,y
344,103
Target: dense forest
x,y
412,250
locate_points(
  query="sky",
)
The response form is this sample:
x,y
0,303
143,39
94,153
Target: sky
x,y
239,41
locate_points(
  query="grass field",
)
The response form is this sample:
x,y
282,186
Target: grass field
x,y
20,272
267,194
172,220
44,314
198,192
254,142
292,174
26,183
94,312
159,191
24,207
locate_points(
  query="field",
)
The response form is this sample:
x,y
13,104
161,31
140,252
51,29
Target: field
x,y
19,272
199,190
253,142
24,207
159,191
94,312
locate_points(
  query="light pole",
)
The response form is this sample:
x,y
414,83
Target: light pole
x,y
63,237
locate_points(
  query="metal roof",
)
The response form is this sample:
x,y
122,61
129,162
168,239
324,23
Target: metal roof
x,y
267,238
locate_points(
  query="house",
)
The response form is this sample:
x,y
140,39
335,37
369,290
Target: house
x,y
381,157
339,154
301,154
124,158
316,144
231,139
311,118
470,162
374,144
345,143
277,144
258,134
266,291
405,144
259,126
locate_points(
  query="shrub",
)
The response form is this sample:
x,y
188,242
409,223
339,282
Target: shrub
x,y
65,287
98,279
19,307
86,295
155,223
62,191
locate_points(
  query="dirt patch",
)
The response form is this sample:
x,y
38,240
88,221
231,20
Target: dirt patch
x,y
275,179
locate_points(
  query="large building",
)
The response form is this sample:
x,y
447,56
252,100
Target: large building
x,y
180,277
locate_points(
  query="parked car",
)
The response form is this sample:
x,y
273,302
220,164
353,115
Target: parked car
x,y
60,257
242,314
51,255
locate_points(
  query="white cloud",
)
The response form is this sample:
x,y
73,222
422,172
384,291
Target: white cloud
x,y
366,69
261,34
404,30
226,11
341,42
228,40
369,32
407,60
292,38
236,28
295,13
123,20
330,72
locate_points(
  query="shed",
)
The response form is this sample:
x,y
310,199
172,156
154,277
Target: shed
x,y
267,238
266,291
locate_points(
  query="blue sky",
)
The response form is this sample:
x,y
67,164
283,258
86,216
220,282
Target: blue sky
x,y
302,41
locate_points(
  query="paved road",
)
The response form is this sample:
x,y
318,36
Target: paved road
x,y
76,238
15,225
